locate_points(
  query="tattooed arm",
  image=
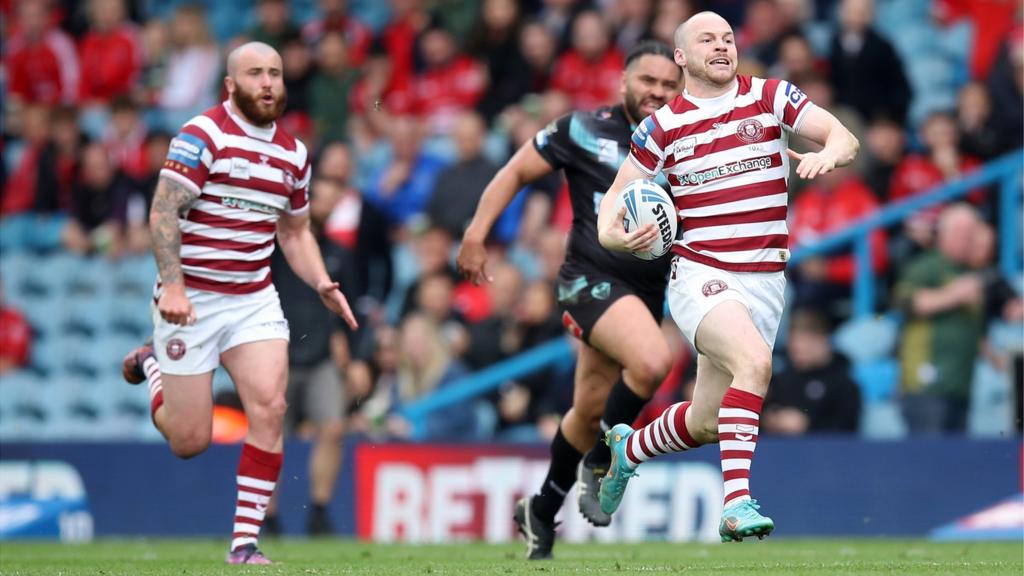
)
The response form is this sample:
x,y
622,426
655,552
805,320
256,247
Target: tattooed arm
x,y
171,199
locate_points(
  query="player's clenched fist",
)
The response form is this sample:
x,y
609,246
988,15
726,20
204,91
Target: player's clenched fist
x,y
175,307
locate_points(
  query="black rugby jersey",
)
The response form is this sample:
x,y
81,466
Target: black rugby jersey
x,y
590,147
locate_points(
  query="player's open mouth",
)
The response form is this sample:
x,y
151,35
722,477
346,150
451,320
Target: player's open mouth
x,y
267,99
720,62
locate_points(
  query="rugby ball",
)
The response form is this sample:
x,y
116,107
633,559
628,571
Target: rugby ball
x,y
647,202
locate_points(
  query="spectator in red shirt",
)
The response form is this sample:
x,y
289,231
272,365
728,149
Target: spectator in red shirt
x,y
831,203
20,189
450,83
992,20
111,48
590,73
390,78
941,162
15,339
42,66
334,18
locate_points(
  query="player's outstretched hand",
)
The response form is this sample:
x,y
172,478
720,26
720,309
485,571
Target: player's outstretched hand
x,y
175,307
334,300
615,237
472,261
811,163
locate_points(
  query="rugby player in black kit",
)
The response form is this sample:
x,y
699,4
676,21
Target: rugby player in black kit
x,y
612,302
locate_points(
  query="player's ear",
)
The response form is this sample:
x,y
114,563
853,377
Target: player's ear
x,y
229,84
623,83
680,57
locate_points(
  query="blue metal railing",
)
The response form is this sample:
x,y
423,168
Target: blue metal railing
x,y
1007,170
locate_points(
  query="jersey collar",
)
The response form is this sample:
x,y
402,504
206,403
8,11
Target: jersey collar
x,y
250,129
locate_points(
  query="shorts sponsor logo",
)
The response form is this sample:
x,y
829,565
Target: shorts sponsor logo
x,y
713,287
601,291
750,130
176,349
571,325
274,325
734,168
568,293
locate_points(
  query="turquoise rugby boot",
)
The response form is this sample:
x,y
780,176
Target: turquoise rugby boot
x,y
613,486
741,520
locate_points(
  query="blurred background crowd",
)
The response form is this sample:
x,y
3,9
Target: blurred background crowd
x,y
409,108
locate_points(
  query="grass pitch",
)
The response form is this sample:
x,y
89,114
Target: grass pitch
x,y
323,557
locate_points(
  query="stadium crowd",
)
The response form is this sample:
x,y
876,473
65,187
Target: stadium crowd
x,y
410,107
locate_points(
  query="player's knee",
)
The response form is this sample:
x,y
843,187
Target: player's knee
x,y
331,432
650,371
756,367
268,412
190,445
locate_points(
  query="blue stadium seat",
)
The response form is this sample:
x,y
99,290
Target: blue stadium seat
x,y
878,379
90,276
131,316
52,274
40,314
135,276
85,313
13,267
883,421
867,339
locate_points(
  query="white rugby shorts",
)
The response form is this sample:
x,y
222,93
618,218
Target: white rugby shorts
x,y
695,288
223,321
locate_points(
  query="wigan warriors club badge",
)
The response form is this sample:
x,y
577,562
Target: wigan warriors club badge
x,y
176,349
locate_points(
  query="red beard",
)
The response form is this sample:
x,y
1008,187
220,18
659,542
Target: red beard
x,y
253,109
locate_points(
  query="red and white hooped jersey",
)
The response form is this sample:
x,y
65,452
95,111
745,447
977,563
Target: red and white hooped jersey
x,y
244,177
725,159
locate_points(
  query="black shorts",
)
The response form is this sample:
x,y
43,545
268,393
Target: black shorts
x,y
585,293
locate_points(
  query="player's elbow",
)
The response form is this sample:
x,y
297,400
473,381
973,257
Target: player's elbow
x,y
854,145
